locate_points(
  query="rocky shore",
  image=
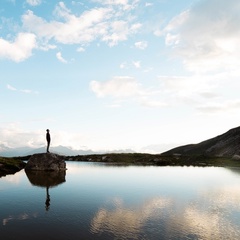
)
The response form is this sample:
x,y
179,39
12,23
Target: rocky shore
x,y
10,166
36,162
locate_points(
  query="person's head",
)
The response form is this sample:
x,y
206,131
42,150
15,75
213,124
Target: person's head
x,y
47,130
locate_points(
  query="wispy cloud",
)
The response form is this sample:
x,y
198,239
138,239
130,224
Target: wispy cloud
x,y
27,91
9,87
141,45
137,64
123,65
124,4
81,49
205,93
128,88
148,4
223,107
119,87
34,2
127,65
60,58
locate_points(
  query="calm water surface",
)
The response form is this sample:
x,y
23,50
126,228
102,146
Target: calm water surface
x,y
96,201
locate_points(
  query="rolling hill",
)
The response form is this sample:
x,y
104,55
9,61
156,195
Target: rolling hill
x,y
224,145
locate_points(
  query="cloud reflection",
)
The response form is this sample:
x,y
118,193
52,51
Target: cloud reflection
x,y
123,221
20,217
210,223
209,215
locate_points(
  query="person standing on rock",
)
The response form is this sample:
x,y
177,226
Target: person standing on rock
x,y
48,140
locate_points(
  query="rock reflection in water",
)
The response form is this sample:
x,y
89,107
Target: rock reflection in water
x,y
46,179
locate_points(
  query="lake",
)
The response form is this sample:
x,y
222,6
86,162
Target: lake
x,y
99,201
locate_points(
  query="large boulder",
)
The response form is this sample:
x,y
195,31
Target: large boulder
x,y
46,162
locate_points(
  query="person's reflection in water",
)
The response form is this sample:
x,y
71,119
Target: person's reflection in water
x,y
46,179
47,203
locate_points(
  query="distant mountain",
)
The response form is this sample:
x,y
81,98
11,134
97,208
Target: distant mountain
x,y
67,151
225,145
12,152
61,150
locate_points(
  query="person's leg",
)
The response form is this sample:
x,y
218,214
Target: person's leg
x,y
48,144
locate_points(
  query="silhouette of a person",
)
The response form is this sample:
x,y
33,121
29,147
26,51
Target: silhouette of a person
x,y
48,138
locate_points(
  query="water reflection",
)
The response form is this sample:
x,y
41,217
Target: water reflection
x,y
127,222
21,216
46,179
122,203
209,215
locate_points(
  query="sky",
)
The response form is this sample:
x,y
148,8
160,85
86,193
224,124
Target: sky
x,y
118,74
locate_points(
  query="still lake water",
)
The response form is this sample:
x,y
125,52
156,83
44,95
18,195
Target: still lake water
x,y
97,201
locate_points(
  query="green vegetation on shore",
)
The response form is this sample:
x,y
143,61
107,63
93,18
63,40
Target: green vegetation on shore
x,y
10,165
157,160
13,165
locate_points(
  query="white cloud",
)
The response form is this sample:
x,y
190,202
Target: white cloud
x,y
60,58
127,88
81,49
107,24
216,107
20,49
145,102
118,87
148,4
13,136
34,2
112,2
141,45
202,93
190,91
137,64
125,4
119,31
11,88
207,94
207,35
28,91
123,65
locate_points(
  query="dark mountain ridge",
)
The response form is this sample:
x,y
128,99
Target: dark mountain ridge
x,y
224,145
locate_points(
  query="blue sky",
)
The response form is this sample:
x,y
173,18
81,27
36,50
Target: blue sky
x,y
123,74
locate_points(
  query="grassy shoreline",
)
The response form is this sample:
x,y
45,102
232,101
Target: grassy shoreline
x,y
156,160
13,165
10,166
